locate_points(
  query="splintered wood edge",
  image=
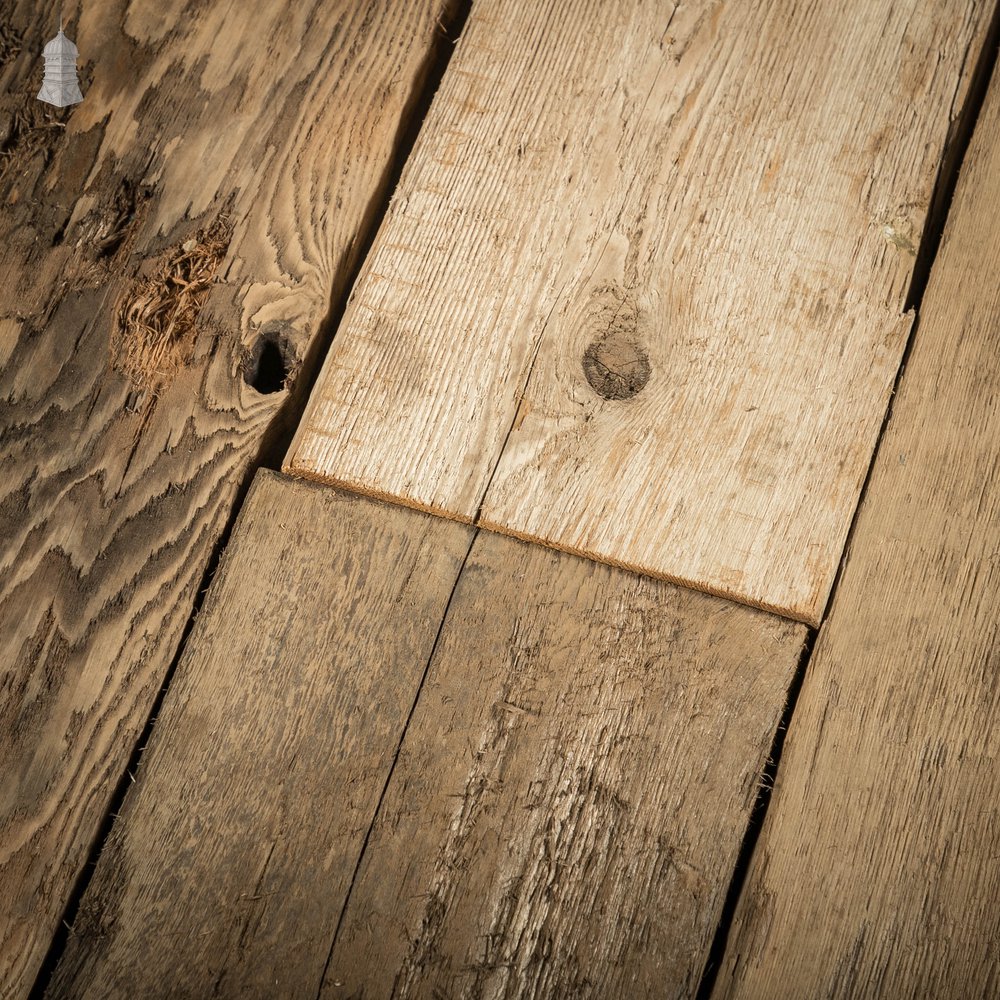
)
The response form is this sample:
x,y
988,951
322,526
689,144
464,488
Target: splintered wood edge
x,y
810,614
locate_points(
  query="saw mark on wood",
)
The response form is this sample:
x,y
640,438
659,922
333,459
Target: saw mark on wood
x,y
651,161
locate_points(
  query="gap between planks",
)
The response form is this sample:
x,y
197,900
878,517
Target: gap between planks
x,y
349,486
892,763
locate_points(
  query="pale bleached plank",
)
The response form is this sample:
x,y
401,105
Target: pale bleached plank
x,y
227,869
259,137
572,791
731,194
878,869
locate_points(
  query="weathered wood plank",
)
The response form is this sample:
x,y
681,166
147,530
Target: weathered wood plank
x,y
245,151
712,207
227,870
566,807
572,790
878,869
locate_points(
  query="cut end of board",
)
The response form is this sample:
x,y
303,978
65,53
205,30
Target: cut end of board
x,y
808,611
305,474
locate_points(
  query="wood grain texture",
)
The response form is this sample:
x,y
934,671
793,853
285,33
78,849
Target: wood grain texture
x,y
573,788
207,196
711,207
878,869
227,870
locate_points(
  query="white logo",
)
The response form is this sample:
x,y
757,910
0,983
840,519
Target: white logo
x,y
60,85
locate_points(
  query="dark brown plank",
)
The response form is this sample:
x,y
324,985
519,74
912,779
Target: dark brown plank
x,y
877,872
572,790
247,151
227,869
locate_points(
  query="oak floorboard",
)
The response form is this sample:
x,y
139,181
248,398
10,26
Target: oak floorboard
x,y
877,873
228,866
166,247
641,292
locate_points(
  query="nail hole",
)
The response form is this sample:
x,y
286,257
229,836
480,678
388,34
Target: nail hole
x,y
266,369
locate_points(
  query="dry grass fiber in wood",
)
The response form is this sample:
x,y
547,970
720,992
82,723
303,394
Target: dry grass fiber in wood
x,y
156,320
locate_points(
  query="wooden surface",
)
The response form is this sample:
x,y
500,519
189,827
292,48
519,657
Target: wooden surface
x,y
711,210
227,870
878,870
209,194
566,807
640,290
573,788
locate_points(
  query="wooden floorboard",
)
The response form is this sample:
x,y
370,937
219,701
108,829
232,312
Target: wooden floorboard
x,y
227,869
572,791
640,294
208,197
564,814
877,873
639,297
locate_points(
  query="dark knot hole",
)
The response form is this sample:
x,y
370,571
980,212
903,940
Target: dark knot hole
x,y
266,369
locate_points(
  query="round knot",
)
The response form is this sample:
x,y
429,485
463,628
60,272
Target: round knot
x,y
616,367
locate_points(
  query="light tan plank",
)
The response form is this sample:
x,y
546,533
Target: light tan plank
x,y
878,869
731,194
245,149
227,870
573,788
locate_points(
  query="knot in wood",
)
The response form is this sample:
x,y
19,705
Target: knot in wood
x,y
616,367
615,364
